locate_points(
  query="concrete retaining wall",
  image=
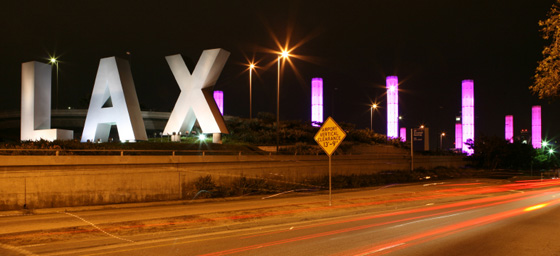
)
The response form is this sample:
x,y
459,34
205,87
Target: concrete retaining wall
x,y
60,181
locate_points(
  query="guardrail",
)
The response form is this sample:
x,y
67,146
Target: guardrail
x,y
161,152
123,152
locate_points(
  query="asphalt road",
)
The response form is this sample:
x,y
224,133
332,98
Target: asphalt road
x,y
466,217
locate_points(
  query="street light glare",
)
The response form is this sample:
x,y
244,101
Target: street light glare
x,y
374,106
285,54
251,66
53,60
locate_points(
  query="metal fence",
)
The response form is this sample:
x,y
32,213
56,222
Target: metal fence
x,y
125,152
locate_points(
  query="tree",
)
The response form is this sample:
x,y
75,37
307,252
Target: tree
x,y
547,74
497,153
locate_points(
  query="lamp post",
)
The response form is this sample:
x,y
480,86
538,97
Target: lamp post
x,y
251,67
283,55
54,61
441,140
374,106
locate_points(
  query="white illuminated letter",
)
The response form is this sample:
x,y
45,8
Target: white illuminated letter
x,y
114,102
196,100
36,104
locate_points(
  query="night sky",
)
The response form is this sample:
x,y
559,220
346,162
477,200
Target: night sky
x,y
353,45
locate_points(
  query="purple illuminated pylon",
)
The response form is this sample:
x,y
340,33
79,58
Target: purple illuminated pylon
x,y
536,127
468,115
458,136
392,107
403,134
219,98
509,128
316,101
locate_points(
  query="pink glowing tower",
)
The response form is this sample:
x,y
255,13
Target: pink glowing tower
x,y
458,136
536,127
316,101
468,115
219,98
403,134
509,128
392,107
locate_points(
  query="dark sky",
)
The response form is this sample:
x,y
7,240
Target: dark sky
x,y
353,45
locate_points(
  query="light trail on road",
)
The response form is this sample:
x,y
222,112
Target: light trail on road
x,y
424,218
437,194
387,247
392,245
499,199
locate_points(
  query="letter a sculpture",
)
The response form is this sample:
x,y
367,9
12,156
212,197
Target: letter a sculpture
x,y
114,102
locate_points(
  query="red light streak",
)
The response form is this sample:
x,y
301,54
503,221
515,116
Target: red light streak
x,y
499,199
463,225
451,229
445,193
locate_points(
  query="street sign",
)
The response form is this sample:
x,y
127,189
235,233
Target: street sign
x,y
329,136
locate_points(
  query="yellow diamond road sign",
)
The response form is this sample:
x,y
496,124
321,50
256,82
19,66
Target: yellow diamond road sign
x,y
330,136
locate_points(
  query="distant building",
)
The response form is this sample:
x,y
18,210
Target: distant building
x,y
524,136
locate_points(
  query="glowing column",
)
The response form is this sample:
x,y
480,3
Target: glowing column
x,y
316,101
458,136
403,134
219,98
392,107
509,128
468,115
536,127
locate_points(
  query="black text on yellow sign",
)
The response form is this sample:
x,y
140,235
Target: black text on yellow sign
x,y
329,136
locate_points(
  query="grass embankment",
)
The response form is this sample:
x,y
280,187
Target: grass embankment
x,y
207,187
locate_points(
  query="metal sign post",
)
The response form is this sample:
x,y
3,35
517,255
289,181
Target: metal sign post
x,y
411,150
329,137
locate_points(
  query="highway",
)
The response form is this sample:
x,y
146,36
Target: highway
x,y
462,217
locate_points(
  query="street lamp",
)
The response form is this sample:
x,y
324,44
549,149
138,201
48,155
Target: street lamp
x,y
374,106
251,67
283,55
441,140
54,61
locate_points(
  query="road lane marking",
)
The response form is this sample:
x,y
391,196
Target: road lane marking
x,y
382,249
428,219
